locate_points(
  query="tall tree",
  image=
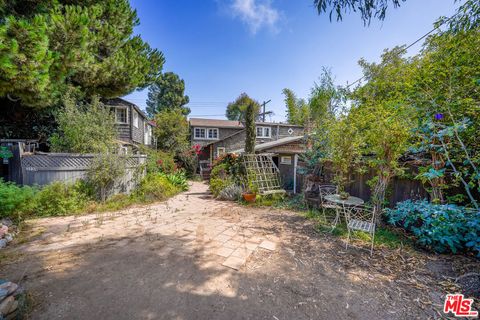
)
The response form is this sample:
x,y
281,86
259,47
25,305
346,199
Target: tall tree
x,y
251,109
297,109
172,130
167,92
236,109
48,46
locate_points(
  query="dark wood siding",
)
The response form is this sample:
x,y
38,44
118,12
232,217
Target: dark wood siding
x,y
123,132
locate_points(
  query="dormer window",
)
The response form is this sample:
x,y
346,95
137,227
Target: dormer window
x,y
263,132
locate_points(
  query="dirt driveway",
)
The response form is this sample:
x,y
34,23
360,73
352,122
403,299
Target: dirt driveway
x,y
178,260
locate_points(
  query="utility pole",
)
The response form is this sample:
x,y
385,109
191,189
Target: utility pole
x,y
264,113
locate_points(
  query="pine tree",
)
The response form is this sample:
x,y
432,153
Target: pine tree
x,y
167,93
48,46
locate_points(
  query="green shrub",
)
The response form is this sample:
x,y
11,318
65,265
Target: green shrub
x,y
155,187
103,172
232,165
83,127
15,201
219,171
58,199
159,161
439,227
178,179
218,184
115,202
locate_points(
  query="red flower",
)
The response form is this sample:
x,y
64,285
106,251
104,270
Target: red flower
x,y
197,149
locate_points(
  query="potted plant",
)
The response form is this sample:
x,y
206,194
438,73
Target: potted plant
x,y
249,194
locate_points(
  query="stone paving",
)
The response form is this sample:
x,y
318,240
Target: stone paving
x,y
189,223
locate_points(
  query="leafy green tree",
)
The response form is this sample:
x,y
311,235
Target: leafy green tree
x,y
167,92
298,111
172,130
83,127
344,146
367,8
236,110
50,46
384,118
447,97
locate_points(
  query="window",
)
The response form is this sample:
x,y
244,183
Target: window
x,y
220,151
263,132
121,115
199,133
205,133
212,133
286,160
135,119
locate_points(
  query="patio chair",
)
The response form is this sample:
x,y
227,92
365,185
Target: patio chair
x,y
360,218
325,190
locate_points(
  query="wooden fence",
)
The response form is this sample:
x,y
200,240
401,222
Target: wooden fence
x,y
44,168
400,189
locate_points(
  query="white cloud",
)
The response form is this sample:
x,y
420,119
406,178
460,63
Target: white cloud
x,y
256,14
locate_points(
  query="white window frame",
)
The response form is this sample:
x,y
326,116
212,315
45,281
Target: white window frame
x,y
212,130
283,160
195,136
206,133
223,151
263,130
135,118
126,115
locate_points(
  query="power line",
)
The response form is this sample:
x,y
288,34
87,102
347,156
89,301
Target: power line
x,y
413,43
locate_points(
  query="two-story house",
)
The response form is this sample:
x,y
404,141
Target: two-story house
x,y
133,126
284,141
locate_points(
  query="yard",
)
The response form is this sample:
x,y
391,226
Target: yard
x,y
177,259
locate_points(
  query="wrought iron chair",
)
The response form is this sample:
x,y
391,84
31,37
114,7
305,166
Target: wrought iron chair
x,y
361,218
325,190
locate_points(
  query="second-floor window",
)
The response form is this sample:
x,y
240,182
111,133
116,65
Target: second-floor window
x,y
200,133
263,132
212,133
205,133
121,115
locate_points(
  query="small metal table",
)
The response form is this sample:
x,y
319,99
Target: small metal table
x,y
350,201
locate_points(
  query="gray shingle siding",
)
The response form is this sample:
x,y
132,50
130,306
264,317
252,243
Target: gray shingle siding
x,y
222,134
127,132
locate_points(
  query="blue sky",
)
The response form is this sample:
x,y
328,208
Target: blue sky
x,y
222,48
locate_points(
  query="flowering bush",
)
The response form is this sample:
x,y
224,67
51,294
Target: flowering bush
x,y
438,227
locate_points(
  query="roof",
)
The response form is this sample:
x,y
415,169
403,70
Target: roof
x,y
120,101
215,123
271,144
218,123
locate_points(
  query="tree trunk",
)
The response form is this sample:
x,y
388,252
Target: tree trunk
x,y
379,191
